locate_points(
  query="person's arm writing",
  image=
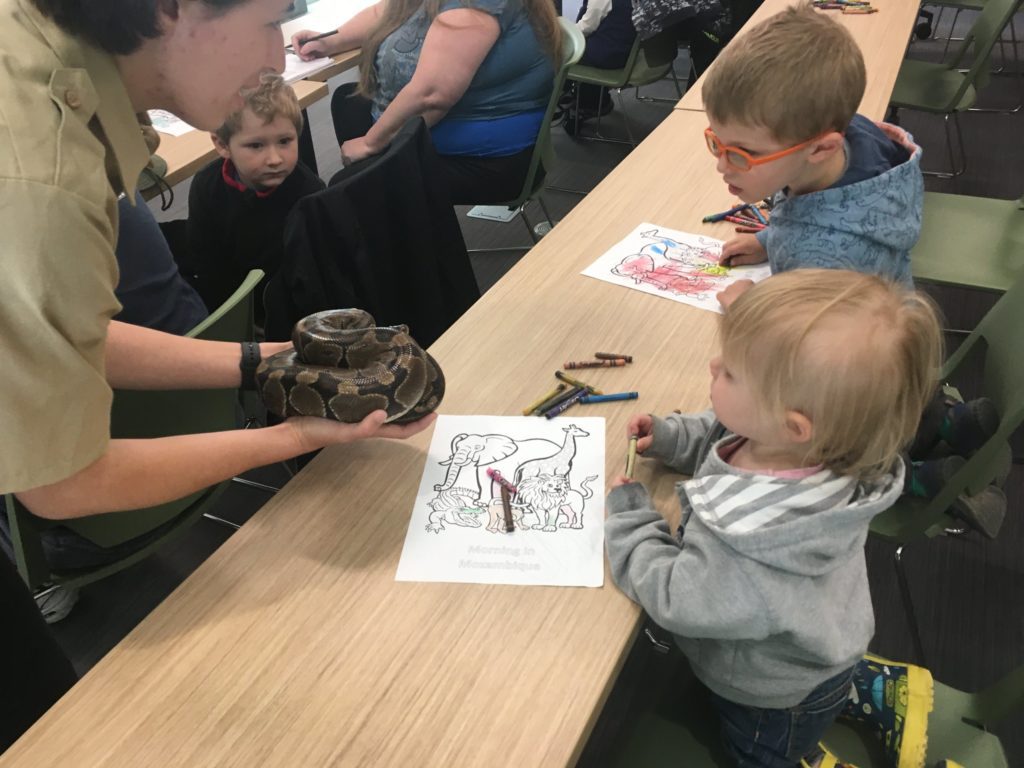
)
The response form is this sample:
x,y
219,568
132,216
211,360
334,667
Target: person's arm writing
x,y
456,44
351,34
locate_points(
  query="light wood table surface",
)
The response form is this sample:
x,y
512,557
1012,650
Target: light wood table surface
x,y
882,38
189,152
293,645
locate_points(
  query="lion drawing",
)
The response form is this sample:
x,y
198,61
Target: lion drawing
x,y
544,495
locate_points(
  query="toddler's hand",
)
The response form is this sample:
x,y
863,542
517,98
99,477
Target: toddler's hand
x,y
641,425
620,480
742,249
308,51
730,294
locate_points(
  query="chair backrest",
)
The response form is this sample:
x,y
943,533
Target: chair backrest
x,y
573,44
654,58
999,339
146,414
979,41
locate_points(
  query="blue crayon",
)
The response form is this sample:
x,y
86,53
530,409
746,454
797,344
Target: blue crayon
x,y
609,398
565,405
720,216
757,212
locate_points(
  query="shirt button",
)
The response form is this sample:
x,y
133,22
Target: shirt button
x,y
72,99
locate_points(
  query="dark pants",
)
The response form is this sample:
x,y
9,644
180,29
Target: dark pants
x,y
471,180
780,738
36,671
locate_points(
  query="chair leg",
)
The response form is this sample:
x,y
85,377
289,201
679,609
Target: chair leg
x,y
597,135
547,214
221,520
1016,72
953,171
908,607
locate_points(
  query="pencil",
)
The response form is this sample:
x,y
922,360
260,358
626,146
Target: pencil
x,y
506,506
312,39
631,456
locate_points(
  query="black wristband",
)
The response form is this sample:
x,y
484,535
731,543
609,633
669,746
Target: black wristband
x,y
250,362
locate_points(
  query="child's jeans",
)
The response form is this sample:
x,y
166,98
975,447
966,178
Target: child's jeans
x,y
779,738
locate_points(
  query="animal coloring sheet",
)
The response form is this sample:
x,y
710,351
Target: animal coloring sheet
x,y
458,531
676,265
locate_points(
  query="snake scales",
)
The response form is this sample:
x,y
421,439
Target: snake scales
x,y
343,367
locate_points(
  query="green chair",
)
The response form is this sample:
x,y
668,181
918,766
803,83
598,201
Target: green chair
x,y
942,89
957,728
144,414
543,159
999,339
649,61
971,241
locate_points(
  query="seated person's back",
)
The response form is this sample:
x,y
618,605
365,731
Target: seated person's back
x,y
238,204
781,102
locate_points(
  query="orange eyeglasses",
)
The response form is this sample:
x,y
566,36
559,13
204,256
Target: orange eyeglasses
x,y
742,160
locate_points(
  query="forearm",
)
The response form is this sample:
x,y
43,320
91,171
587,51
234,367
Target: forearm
x,y
678,439
593,16
141,358
354,32
135,474
415,99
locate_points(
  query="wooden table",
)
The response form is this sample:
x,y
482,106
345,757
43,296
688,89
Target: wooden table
x,y
189,152
882,38
293,645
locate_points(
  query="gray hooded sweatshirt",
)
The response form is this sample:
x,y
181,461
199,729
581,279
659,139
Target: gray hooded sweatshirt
x,y
765,590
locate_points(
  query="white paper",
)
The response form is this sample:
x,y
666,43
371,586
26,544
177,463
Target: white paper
x,y
676,265
169,123
457,530
296,69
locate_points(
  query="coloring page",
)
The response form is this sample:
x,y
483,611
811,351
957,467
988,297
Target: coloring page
x,y
676,265
458,527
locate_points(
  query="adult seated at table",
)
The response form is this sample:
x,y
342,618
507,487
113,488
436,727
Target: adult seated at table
x,y
479,74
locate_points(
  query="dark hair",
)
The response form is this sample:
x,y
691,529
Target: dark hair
x,y
116,26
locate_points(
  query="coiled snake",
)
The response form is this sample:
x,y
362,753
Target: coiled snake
x,y
343,367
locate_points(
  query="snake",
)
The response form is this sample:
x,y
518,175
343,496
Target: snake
x,y
343,367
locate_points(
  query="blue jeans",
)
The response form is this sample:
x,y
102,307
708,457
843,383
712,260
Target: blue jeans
x,y
780,738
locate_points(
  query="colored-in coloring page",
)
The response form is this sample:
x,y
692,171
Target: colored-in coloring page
x,y
676,265
554,475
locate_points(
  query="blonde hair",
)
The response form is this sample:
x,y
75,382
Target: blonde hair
x,y
858,356
541,14
268,100
798,74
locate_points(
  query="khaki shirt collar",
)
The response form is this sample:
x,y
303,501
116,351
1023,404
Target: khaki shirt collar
x,y
113,109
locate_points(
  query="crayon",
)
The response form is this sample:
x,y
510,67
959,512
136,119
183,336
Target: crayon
x,y
631,456
744,222
506,506
749,230
497,477
565,405
610,356
610,397
558,399
534,406
569,366
719,216
577,383
759,215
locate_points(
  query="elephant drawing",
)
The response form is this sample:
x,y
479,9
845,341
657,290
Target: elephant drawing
x,y
469,452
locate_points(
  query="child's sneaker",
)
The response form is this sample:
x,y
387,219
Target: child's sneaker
x,y
926,479
57,603
984,511
968,425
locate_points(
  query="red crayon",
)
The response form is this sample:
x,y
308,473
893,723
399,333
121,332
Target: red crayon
x,y
497,477
744,222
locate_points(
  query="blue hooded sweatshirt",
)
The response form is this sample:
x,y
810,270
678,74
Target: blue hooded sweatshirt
x,y
869,225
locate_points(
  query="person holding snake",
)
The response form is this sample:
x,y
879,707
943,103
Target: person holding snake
x,y
75,74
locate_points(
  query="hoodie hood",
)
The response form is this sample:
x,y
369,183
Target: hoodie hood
x,y
806,526
867,226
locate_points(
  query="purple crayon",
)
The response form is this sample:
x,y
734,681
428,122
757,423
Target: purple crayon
x,y
496,476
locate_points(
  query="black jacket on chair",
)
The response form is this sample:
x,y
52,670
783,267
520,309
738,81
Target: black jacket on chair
x,y
382,237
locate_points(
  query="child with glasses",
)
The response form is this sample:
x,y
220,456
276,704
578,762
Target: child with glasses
x,y
781,101
819,383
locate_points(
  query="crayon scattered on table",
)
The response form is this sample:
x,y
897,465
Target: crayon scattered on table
x,y
631,456
565,405
758,215
497,477
719,216
577,383
609,397
558,399
506,506
749,230
569,366
744,222
610,356
537,404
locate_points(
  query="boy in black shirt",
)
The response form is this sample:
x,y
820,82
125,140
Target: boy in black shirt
x,y
238,204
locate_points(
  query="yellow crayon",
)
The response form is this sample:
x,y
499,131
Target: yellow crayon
x,y
537,404
577,383
631,456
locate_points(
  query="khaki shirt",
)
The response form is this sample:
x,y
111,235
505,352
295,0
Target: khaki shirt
x,y
69,145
